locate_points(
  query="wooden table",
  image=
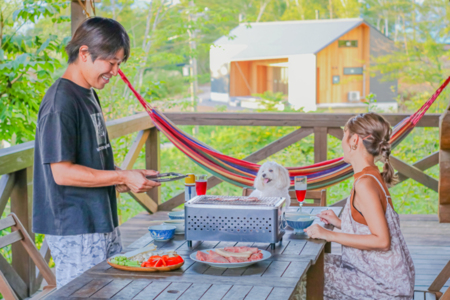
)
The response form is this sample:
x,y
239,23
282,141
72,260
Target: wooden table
x,y
295,268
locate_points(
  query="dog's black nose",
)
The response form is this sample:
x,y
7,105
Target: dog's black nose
x,y
264,175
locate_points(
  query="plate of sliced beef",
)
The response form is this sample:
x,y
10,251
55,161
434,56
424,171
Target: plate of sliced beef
x,y
230,257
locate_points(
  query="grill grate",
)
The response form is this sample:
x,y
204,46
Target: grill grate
x,y
235,200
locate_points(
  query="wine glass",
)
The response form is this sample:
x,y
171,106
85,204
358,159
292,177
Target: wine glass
x,y
201,184
300,189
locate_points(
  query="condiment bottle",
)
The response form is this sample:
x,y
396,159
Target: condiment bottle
x,y
189,187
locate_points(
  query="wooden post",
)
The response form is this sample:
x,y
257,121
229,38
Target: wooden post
x,y
78,14
320,144
315,279
152,160
444,167
22,206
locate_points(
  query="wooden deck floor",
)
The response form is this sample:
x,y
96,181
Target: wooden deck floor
x,y
427,239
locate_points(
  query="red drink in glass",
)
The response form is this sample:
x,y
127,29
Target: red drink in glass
x,y
200,187
300,195
300,189
201,184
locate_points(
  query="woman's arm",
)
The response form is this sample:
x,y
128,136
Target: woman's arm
x,y
67,173
369,204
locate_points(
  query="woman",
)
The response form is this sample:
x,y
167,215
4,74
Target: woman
x,y
375,261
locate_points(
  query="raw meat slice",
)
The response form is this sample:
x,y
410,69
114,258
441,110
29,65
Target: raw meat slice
x,y
202,256
242,249
256,256
216,258
234,259
224,253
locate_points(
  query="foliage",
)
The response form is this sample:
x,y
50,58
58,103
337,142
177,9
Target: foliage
x,y
161,35
270,101
420,31
26,67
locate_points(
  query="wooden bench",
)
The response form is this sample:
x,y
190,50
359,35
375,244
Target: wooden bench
x,y
319,197
12,286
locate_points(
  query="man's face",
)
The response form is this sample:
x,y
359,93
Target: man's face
x,y
98,73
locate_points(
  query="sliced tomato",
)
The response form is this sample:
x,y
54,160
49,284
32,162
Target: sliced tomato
x,y
159,263
174,260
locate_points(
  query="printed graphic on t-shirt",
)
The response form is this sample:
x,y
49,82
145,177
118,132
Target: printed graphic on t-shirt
x,y
100,129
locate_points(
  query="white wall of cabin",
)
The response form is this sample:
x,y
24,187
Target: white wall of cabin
x,y
302,81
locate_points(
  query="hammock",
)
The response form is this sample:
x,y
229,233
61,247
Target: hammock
x,y
242,173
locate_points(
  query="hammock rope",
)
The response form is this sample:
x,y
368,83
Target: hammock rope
x,y
242,173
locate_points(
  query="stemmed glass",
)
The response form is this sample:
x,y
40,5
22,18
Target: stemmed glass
x,y
300,189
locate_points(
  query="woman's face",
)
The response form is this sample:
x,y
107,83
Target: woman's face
x,y
345,143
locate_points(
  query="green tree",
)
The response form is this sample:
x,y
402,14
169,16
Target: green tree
x,y
419,61
26,66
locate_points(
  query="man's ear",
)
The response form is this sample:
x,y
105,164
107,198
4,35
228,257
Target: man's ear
x,y
83,53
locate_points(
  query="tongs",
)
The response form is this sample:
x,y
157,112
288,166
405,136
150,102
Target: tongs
x,y
165,177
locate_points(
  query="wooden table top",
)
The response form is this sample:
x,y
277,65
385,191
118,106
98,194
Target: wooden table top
x,y
276,278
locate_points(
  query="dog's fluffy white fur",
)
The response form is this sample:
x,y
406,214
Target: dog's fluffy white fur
x,y
272,181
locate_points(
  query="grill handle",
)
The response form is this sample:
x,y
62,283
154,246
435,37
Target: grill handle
x,y
283,223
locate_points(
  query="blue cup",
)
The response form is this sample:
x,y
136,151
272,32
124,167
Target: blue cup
x,y
162,232
299,222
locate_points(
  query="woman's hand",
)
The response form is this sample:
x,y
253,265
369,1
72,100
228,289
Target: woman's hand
x,y
318,232
329,217
122,188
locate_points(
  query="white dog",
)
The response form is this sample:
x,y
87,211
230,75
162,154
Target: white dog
x,y
272,181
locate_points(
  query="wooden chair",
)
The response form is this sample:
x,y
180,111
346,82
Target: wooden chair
x,y
319,197
12,286
433,292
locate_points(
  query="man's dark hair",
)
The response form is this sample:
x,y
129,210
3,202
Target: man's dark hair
x,y
104,37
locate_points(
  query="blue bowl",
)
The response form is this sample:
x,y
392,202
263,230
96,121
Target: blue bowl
x,y
299,222
162,232
176,215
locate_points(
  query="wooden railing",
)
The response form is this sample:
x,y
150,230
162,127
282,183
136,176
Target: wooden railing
x,y
16,165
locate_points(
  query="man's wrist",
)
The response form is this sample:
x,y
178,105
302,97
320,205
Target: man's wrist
x,y
120,177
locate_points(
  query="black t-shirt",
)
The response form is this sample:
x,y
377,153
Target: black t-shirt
x,y
71,128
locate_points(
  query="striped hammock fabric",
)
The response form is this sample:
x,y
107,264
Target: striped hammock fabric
x,y
242,173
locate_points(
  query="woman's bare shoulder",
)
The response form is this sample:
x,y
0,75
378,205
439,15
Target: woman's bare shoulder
x,y
366,188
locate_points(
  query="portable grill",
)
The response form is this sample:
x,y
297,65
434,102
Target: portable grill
x,y
234,219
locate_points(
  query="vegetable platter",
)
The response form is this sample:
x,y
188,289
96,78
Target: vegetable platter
x,y
147,259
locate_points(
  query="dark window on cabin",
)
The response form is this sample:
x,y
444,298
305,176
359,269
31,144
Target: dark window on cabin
x,y
348,43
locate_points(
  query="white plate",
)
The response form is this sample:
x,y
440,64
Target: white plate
x,y
179,224
266,255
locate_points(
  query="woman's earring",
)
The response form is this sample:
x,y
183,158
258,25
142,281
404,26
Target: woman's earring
x,y
353,147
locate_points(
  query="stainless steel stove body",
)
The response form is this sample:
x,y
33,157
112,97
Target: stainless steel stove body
x,y
234,219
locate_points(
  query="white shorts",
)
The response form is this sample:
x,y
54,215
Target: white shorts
x,y
75,254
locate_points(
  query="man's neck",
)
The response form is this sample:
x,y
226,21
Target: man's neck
x,y
73,73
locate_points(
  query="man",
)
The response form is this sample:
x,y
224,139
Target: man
x,y
74,175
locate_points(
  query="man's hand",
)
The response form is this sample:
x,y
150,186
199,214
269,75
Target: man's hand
x,y
136,181
122,188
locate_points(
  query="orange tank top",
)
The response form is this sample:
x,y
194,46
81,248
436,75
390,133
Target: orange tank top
x,y
370,170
